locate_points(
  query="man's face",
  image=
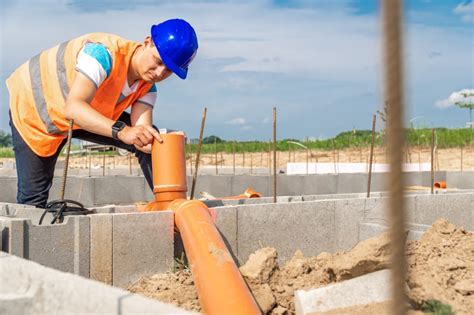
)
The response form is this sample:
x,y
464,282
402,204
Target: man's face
x,y
151,67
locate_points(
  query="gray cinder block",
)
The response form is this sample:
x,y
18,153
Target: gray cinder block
x,y
101,248
62,246
310,225
142,245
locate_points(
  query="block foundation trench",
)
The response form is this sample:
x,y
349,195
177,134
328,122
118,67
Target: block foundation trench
x,y
117,245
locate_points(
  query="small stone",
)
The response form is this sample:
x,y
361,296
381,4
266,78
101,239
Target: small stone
x,y
260,265
465,287
279,310
279,289
265,298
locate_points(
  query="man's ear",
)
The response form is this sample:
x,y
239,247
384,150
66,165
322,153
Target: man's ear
x,y
148,41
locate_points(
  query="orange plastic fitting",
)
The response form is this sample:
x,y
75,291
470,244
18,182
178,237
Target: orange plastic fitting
x,y
221,288
248,193
441,184
169,171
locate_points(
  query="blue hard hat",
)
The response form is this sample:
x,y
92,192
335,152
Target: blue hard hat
x,y
177,44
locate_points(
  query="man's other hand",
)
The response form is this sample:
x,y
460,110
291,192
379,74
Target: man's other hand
x,y
140,136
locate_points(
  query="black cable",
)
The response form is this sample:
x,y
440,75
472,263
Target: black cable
x,y
61,208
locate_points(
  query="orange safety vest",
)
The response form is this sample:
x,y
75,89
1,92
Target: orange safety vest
x,y
39,89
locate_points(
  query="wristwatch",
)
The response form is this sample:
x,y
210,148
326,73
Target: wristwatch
x,y
118,126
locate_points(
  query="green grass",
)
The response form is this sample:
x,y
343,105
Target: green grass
x,y
6,153
436,307
447,138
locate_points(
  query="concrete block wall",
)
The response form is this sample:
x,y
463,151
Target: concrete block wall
x,y
29,288
98,190
334,225
62,246
118,245
114,248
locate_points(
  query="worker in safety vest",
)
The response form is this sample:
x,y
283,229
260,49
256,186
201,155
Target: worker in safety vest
x,y
91,80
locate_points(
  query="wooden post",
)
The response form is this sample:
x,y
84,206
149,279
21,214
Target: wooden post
x,y
90,161
198,152
374,119
233,157
251,163
215,153
461,156
433,133
103,163
274,157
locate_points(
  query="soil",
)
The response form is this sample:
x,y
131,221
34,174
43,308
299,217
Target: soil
x,y
445,159
440,266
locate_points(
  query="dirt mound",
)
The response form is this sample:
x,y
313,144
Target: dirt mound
x,y
440,266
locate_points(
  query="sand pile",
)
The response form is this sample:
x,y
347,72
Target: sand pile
x,y
440,266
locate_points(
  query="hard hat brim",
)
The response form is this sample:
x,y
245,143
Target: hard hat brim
x,y
180,72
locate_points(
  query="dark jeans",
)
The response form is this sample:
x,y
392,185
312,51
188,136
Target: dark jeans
x,y
35,173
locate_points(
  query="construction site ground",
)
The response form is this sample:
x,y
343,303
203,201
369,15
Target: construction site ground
x,y
440,266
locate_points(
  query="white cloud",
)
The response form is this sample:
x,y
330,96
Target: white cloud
x,y
456,97
237,121
466,11
265,120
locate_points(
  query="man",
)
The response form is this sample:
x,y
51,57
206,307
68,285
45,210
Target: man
x,y
91,80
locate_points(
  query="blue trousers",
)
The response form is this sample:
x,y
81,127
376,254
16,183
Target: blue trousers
x,y
35,173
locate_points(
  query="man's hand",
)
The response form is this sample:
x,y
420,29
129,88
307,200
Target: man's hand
x,y
140,136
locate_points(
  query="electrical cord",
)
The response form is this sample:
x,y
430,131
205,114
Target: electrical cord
x,y
62,208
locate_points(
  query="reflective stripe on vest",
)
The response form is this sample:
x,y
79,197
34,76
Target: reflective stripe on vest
x,y
37,88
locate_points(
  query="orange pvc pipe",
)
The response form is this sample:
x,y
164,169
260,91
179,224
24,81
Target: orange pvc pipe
x,y
248,193
221,288
441,184
169,172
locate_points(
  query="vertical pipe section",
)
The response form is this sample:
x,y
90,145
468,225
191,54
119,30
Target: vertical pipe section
x,y
221,288
169,170
198,153
374,119
392,51
274,155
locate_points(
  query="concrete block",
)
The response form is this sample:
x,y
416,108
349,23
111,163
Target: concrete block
x,y
62,246
29,288
348,214
260,183
9,189
352,183
308,224
119,189
319,184
461,180
101,248
289,185
376,210
216,185
456,208
368,230
78,188
363,290
142,245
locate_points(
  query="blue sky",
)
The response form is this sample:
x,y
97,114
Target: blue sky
x,y
317,61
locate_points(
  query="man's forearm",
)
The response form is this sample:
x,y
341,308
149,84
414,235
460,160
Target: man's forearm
x,y
88,118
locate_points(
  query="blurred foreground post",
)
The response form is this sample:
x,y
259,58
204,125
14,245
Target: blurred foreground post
x,y
393,91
